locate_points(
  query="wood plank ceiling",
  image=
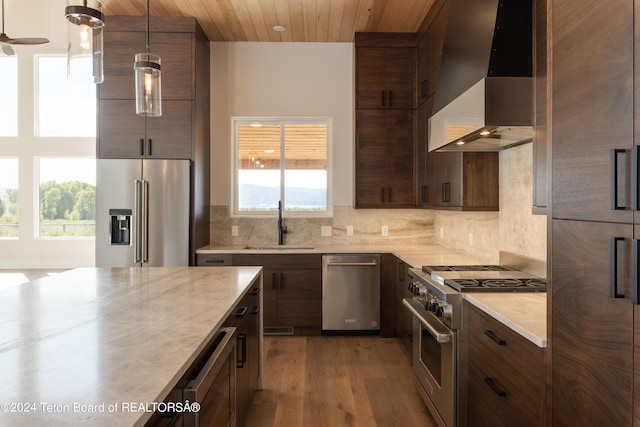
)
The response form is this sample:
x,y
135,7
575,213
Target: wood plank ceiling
x,y
304,20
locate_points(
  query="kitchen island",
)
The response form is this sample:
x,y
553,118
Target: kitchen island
x,y
103,347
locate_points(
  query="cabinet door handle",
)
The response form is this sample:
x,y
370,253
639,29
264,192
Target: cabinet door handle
x,y
214,261
635,245
142,146
635,153
491,383
613,267
494,337
382,97
613,176
150,146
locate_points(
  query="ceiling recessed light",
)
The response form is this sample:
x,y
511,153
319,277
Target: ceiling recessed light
x,y
460,143
256,125
269,151
279,28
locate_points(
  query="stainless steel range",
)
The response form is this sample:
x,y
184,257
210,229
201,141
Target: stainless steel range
x,y
437,325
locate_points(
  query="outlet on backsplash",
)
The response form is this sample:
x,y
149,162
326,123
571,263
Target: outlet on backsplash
x,y
349,230
234,231
385,231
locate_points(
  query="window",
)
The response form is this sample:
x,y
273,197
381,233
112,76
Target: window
x,y
67,197
8,198
281,160
9,91
64,107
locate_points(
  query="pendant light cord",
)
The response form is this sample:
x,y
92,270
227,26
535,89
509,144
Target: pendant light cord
x,y
146,38
2,16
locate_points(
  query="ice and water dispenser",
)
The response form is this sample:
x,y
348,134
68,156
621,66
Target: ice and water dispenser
x,y
120,229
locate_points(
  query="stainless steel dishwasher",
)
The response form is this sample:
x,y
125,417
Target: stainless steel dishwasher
x,y
350,293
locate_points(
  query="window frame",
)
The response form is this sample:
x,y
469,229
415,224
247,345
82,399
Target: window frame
x,y
281,120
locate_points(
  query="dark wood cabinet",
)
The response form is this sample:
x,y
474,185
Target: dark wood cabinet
x,y
541,141
292,293
385,77
592,317
183,49
464,180
428,53
245,318
403,320
384,158
506,375
385,115
165,137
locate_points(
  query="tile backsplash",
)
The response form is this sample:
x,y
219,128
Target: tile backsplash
x,y
482,234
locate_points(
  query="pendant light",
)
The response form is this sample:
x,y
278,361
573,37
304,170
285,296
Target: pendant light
x,y
147,75
85,22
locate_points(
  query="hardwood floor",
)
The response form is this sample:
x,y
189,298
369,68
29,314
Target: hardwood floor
x,y
337,381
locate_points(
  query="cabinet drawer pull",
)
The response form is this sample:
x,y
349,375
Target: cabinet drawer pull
x,y
255,310
613,267
491,383
255,291
613,176
240,312
214,261
494,337
242,337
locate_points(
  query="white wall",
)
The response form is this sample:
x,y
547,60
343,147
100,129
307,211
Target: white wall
x,y
282,79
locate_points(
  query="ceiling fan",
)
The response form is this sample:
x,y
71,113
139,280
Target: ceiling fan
x,y
5,40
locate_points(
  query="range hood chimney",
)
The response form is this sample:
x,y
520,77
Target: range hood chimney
x,y
484,93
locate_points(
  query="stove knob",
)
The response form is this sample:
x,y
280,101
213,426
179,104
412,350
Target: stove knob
x,y
440,309
411,286
432,305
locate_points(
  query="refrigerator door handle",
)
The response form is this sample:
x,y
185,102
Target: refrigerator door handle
x,y
145,221
137,238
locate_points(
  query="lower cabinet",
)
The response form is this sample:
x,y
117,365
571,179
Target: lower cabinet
x,y
245,318
292,300
506,375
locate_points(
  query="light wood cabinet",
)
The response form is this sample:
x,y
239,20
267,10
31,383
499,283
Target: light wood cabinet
x,y
506,375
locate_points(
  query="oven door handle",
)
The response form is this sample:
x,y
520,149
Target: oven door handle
x,y
441,337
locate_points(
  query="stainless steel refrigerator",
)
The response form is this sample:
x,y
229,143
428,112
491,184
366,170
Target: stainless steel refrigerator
x,y
142,212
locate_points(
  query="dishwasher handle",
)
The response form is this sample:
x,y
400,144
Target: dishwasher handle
x,y
352,264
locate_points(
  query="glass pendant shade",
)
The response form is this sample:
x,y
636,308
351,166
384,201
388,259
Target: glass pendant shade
x,y
85,22
148,85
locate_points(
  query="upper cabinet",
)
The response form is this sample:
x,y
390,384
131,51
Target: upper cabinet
x,y
428,56
182,47
385,116
385,77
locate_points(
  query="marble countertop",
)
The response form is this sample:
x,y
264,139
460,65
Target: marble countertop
x,y
525,313
79,347
414,255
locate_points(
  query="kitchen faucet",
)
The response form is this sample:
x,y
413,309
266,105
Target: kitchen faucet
x,y
282,229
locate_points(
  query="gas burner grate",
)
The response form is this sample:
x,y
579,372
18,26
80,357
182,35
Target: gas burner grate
x,y
430,268
498,285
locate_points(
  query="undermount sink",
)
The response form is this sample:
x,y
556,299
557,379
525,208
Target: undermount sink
x,y
279,247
